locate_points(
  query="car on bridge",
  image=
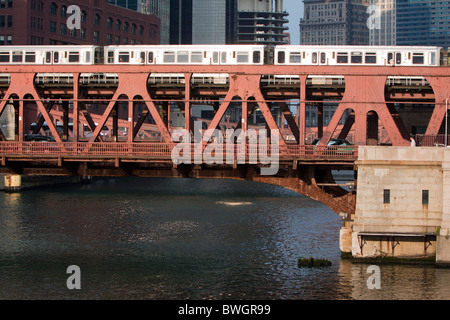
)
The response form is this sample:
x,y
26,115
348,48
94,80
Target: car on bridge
x,y
39,137
334,147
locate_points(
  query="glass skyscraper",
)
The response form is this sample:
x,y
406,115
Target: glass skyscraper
x,y
423,23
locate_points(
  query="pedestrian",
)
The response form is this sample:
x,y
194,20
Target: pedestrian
x,y
413,142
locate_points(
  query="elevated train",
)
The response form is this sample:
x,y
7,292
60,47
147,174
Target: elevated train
x,y
223,55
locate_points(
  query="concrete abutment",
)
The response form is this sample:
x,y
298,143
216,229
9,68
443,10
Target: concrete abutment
x,y
402,204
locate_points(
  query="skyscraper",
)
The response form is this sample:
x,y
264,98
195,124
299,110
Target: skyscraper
x,y
423,23
262,22
203,21
383,25
334,22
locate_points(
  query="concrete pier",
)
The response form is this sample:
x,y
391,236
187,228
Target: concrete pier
x,y
402,204
17,183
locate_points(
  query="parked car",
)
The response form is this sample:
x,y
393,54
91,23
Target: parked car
x,y
333,142
39,137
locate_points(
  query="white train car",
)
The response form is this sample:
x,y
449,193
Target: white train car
x,y
185,54
43,55
357,55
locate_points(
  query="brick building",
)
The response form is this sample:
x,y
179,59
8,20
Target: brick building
x,y
43,22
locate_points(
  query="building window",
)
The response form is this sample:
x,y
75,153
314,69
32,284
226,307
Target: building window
x,y
97,20
109,38
386,196
133,28
9,21
109,23
83,16
118,25
2,21
63,11
425,197
52,26
53,8
117,40
141,30
83,33
96,36
63,29
125,26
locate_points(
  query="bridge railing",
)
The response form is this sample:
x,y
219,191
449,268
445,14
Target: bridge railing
x,y
165,150
438,140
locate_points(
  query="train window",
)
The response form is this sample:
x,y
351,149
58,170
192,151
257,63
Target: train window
x,y
48,57
418,58
74,56
281,57
124,56
150,57
196,56
256,57
169,56
242,57
356,57
398,58
433,58
314,57
110,57
323,58
223,57
370,57
4,56
295,57
30,57
342,57
17,56
98,55
88,57
142,57
390,58
215,57
56,57
182,57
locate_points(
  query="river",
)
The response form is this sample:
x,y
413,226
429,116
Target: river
x,y
168,238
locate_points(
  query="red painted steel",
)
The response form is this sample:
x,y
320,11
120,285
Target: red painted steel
x,y
164,150
364,94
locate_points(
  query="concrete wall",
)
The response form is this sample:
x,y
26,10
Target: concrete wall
x,y
404,227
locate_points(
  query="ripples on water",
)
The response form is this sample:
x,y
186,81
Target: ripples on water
x,y
137,238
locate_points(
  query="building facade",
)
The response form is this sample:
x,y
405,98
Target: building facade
x,y
382,23
203,21
262,22
334,22
423,23
44,22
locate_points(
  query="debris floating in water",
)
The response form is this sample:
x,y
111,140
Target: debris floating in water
x,y
313,263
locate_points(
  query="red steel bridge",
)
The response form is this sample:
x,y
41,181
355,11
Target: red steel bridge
x,y
135,103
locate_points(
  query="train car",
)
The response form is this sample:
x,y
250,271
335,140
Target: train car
x,y
357,55
43,55
186,54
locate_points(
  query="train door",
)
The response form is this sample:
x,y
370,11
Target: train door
x,y
215,59
394,58
51,57
142,57
319,58
322,58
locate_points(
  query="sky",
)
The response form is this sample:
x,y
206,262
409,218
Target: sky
x,y
295,10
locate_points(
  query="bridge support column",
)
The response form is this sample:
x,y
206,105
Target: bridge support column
x,y
443,237
13,183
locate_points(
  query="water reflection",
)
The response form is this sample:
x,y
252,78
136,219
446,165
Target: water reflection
x,y
185,239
